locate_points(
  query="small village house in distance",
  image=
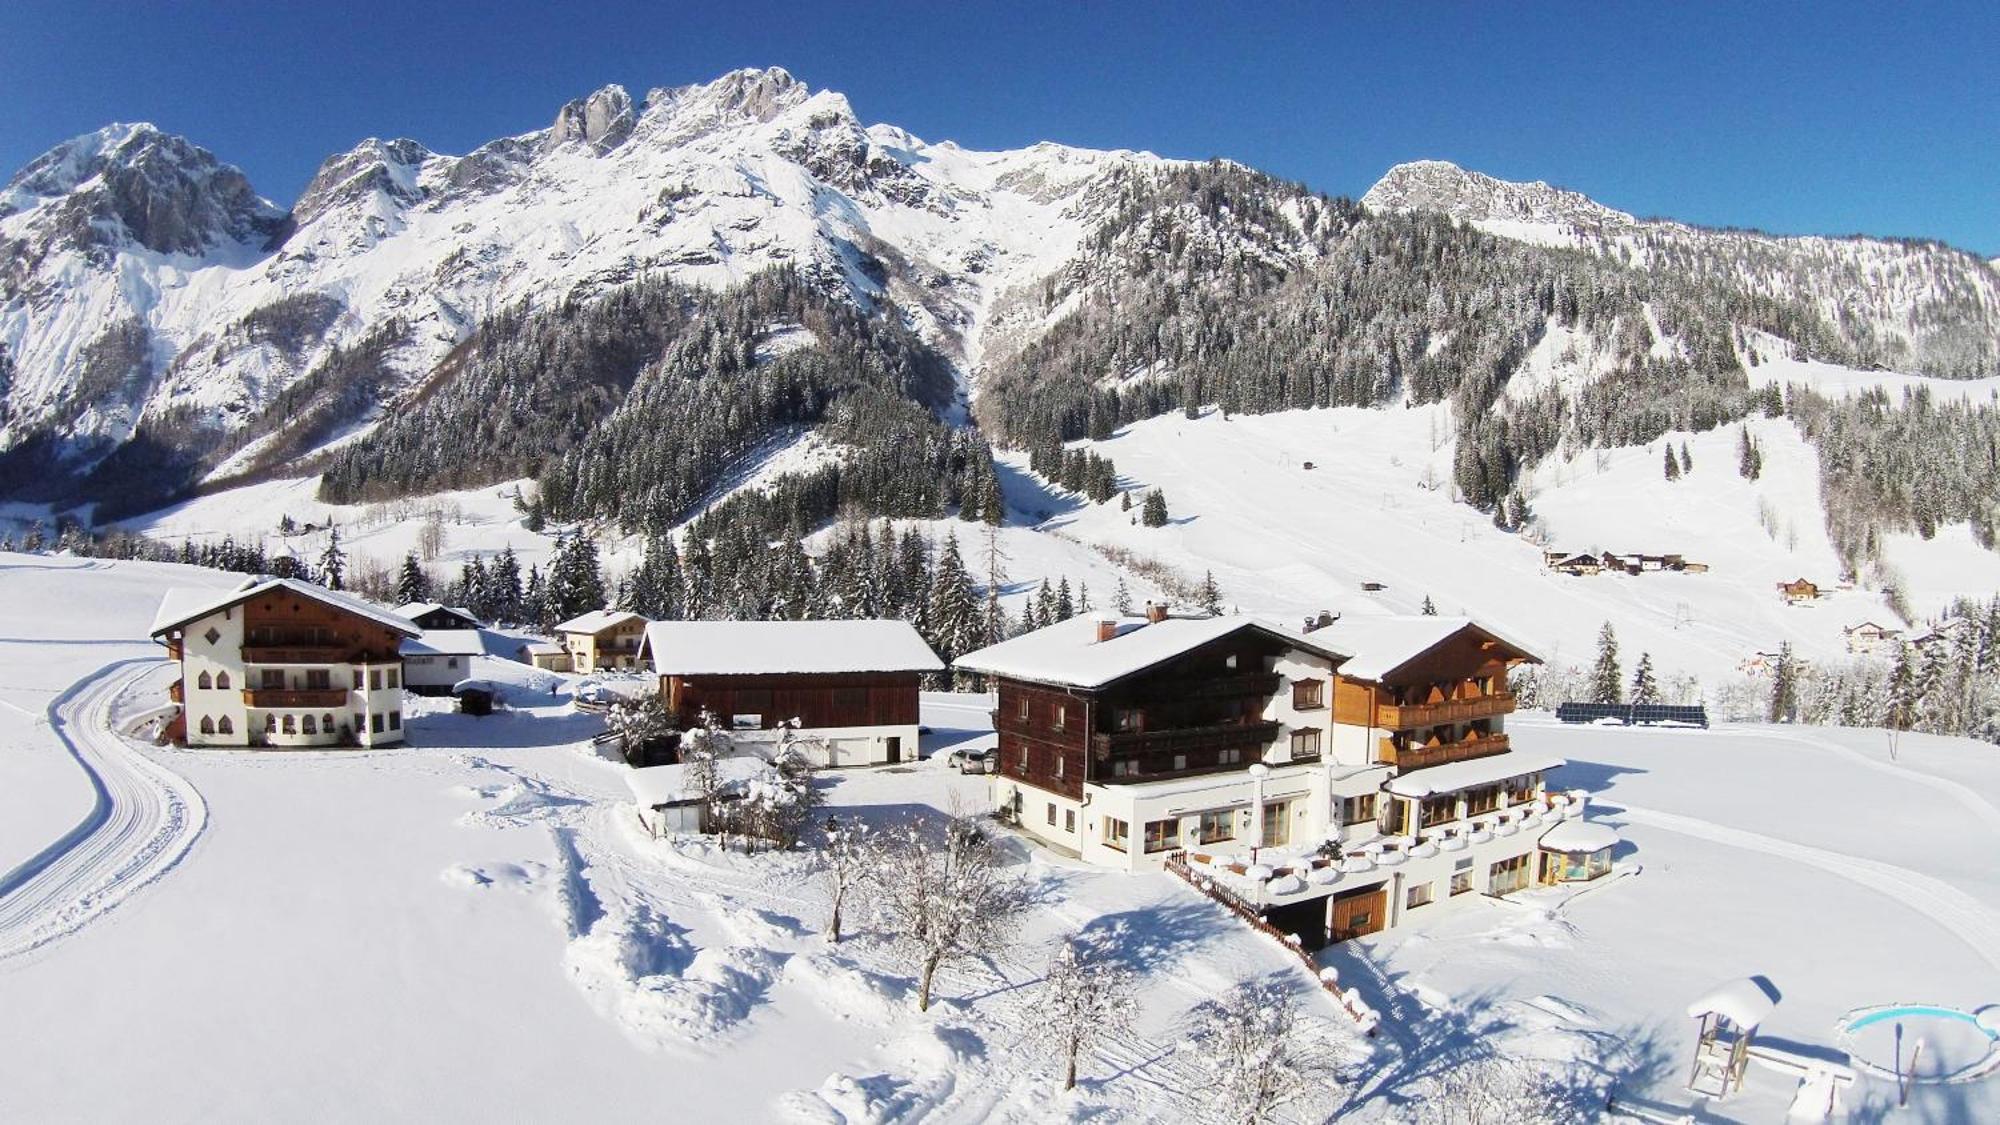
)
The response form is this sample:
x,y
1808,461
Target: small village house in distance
x,y
440,658
434,615
283,663
603,640
1240,749
848,685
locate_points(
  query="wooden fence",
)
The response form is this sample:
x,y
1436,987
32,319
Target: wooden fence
x,y
1364,1017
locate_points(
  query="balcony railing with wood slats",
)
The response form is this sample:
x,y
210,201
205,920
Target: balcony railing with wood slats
x,y
1419,757
295,697
1394,716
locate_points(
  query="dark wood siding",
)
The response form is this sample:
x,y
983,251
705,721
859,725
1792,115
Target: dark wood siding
x,y
1030,745
280,620
874,699
1185,717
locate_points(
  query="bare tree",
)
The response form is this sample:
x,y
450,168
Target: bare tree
x,y
1085,997
848,861
1257,1061
430,537
945,899
1491,1090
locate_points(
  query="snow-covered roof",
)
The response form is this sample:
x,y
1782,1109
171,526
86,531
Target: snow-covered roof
x,y
1382,644
181,606
745,648
445,642
542,648
415,610
1477,771
1744,1002
487,686
665,785
1580,836
1068,653
597,621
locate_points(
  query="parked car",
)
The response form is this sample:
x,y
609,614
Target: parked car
x,y
972,761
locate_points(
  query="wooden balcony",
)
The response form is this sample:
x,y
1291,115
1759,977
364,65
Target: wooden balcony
x,y
1183,739
1235,685
1419,757
295,654
1391,716
295,697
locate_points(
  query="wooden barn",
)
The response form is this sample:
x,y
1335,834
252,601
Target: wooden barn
x,y
850,686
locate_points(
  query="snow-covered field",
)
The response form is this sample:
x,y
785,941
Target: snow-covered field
x,y
473,927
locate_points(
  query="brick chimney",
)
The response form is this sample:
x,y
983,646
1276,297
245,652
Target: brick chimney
x,y
1107,627
1156,612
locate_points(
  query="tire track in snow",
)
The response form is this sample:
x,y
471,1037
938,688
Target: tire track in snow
x,y
1963,794
1972,921
142,821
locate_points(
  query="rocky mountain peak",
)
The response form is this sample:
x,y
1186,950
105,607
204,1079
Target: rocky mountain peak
x,y
374,165
1473,197
162,191
603,120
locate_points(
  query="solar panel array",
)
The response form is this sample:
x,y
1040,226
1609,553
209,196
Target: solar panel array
x,y
1633,714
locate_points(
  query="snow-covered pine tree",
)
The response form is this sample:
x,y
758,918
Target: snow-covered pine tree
x,y
1065,601
1645,689
1429,608
1606,679
1154,513
1121,599
413,585
954,610
1785,687
1210,594
1673,469
1085,997
332,561
1687,462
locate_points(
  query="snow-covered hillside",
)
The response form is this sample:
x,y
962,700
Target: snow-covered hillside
x,y
109,314
1375,507
1919,305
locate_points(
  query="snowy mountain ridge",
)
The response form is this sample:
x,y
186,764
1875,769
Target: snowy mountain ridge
x,y
1910,305
147,292
147,278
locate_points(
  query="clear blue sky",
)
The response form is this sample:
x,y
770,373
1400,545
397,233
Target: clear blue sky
x,y
1831,117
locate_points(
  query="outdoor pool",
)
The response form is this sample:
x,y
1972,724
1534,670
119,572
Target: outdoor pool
x,y
1958,1046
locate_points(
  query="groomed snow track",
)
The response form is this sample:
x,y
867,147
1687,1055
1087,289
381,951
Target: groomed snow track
x,y
143,820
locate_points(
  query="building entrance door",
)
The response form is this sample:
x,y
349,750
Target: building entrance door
x,y
1355,914
895,748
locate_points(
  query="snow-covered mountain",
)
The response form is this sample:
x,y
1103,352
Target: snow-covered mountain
x,y
1914,306
145,278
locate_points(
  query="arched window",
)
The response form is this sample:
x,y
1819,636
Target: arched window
x,y
225,726
207,725
311,725
270,724
291,725
326,723
222,680
204,682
